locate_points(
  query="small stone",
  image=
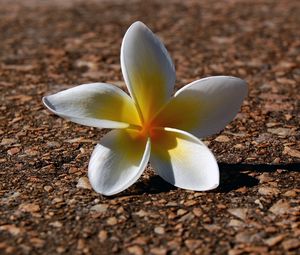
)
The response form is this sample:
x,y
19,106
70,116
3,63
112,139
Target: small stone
x,y
290,193
198,212
222,139
239,146
212,227
84,183
112,221
291,244
141,213
268,191
291,152
99,208
187,217
30,207
37,242
243,237
192,244
236,223
159,230
135,250
281,132
239,212
141,240
181,212
190,202
280,207
60,249
8,141
48,188
265,177
171,204
31,152
102,235
13,151
57,200
80,244
56,224
73,170
158,251
274,240
12,229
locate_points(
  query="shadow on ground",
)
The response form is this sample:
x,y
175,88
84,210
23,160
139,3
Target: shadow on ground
x,y
232,177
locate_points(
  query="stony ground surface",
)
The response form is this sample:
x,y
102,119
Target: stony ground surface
x,y
46,203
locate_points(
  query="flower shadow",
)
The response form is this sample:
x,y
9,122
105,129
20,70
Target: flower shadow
x,y
234,176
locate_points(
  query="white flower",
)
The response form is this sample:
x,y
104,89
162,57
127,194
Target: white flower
x,y
151,121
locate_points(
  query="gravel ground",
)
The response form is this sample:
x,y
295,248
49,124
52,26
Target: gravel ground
x,y
46,203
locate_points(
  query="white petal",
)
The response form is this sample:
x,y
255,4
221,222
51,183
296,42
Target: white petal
x,y
118,161
95,104
205,106
147,69
183,160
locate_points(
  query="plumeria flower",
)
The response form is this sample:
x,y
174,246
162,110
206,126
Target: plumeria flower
x,y
150,125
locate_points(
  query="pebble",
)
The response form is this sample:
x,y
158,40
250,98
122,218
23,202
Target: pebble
x,y
274,240
13,151
239,146
291,244
281,132
190,202
135,250
158,251
48,188
236,223
222,139
102,235
265,177
37,242
56,224
112,221
197,211
192,244
12,229
30,207
159,230
239,212
290,193
60,249
268,191
141,213
291,152
8,141
99,208
181,212
84,183
280,207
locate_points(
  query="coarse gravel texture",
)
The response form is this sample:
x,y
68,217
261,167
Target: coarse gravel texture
x,y
46,203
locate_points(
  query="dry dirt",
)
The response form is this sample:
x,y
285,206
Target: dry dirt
x,y
46,203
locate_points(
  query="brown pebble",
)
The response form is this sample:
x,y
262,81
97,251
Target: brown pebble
x,y
112,221
291,244
158,251
135,250
102,235
192,244
268,191
30,207
48,188
274,240
159,230
13,151
84,183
